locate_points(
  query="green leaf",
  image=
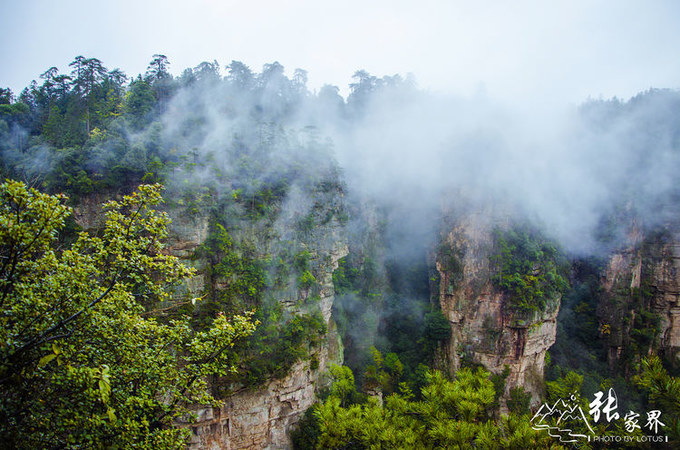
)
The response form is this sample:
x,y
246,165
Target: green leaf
x,y
112,415
105,390
46,359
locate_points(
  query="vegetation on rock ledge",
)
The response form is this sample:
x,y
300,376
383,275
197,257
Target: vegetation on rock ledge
x,y
527,270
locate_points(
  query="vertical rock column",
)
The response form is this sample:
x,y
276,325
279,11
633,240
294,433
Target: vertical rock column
x,y
483,330
642,277
263,417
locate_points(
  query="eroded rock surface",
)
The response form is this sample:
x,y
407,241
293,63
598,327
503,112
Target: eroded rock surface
x,y
262,417
483,328
641,278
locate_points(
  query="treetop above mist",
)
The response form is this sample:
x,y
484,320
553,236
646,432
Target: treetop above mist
x,y
95,128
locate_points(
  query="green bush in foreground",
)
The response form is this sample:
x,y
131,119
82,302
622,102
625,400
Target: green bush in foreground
x,y
456,413
82,364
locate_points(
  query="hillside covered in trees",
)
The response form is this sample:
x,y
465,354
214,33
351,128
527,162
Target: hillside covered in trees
x,y
397,269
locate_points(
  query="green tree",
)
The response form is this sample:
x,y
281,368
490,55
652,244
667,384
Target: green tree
x,y
519,401
82,363
437,329
343,386
453,414
87,75
361,89
527,270
159,78
110,103
240,75
6,96
157,69
139,102
385,372
664,393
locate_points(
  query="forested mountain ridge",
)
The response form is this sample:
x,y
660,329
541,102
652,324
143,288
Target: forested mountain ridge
x,y
396,231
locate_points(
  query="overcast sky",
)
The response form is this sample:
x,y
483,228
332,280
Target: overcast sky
x,y
545,51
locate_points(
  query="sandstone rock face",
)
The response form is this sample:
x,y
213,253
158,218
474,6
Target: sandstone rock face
x,y
619,279
186,234
257,419
482,329
327,292
263,417
643,277
88,212
665,283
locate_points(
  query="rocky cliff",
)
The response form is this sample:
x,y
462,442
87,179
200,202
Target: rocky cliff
x,y
664,284
257,416
639,309
484,330
294,238
262,417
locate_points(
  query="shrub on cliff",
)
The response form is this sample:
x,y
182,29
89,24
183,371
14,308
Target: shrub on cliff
x,y
527,270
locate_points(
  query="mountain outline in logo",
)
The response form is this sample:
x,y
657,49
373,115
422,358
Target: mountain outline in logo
x,y
563,414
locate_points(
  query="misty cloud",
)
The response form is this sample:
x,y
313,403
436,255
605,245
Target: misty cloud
x,y
564,170
410,151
